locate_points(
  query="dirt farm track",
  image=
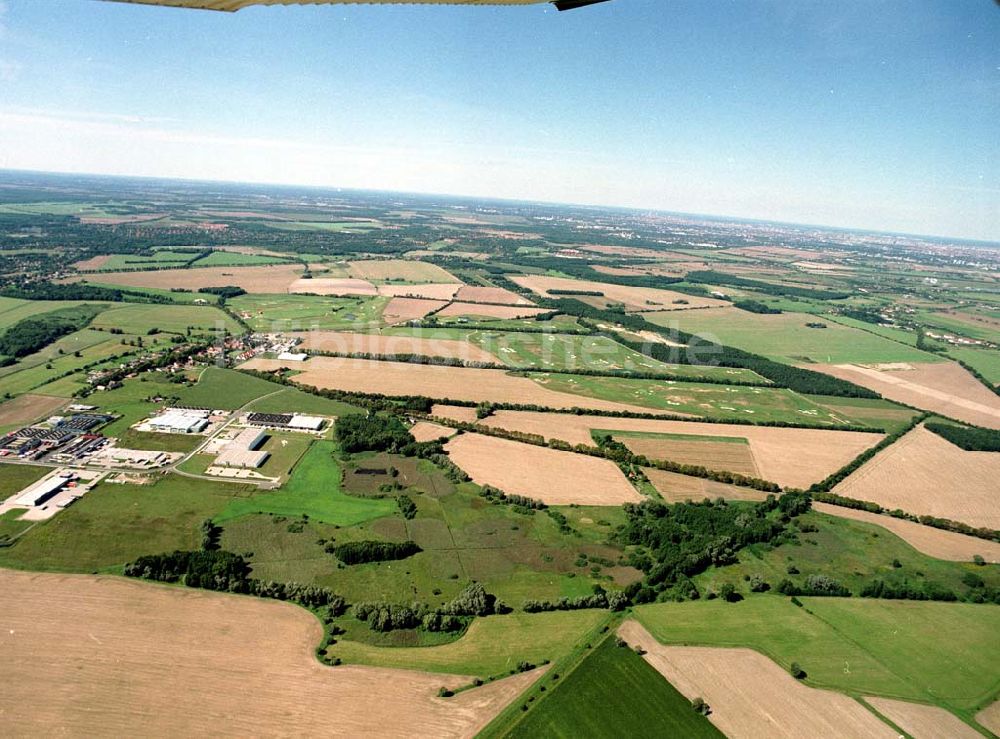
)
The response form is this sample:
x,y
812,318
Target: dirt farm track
x,y
105,656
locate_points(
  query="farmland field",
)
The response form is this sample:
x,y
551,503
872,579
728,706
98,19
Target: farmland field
x,y
352,343
140,319
730,454
456,383
895,649
786,337
751,696
553,477
924,474
937,543
634,298
399,270
274,278
945,388
759,404
205,641
302,312
491,646
613,692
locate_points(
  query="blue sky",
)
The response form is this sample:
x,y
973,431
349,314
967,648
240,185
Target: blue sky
x,y
866,114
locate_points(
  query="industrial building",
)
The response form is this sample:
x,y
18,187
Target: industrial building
x,y
242,451
293,356
306,423
292,421
43,490
176,421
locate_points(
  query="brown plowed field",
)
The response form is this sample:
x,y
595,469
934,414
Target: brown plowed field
x,y
102,656
457,383
927,539
94,262
752,697
334,286
27,408
408,270
444,291
789,457
925,722
553,477
714,455
676,488
634,298
274,278
502,312
926,475
475,294
350,343
427,431
942,387
401,310
454,412
990,717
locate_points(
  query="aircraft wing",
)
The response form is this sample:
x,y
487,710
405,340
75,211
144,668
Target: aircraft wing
x,y
233,5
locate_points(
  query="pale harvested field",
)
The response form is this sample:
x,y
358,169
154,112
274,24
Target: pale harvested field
x,y
27,408
752,697
943,387
990,717
634,298
503,312
937,543
441,291
273,278
789,457
926,475
474,294
923,721
407,270
102,656
456,383
351,343
548,475
714,455
624,251
676,488
333,286
427,431
401,310
454,412
93,263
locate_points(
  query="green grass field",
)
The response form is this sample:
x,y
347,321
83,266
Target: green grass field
x,y
613,692
786,337
15,477
491,646
304,312
984,361
570,352
711,400
852,552
236,259
13,310
292,400
158,260
113,524
945,653
140,318
313,489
